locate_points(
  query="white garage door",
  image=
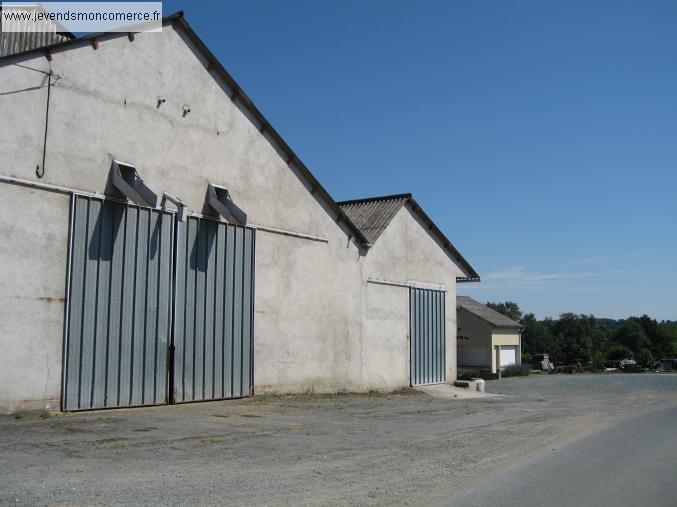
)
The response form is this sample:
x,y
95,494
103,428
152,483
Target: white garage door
x,y
508,355
473,356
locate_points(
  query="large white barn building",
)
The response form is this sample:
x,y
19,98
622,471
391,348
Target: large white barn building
x,y
162,243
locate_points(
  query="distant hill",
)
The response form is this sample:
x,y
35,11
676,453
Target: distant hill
x,y
613,324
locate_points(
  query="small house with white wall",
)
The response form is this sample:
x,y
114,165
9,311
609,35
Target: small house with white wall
x,y
487,340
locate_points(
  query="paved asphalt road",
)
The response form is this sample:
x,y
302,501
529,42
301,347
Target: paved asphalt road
x,y
631,463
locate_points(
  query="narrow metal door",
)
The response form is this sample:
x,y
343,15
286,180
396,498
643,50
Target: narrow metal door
x,y
118,305
428,336
214,310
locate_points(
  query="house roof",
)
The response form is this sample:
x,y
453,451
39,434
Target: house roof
x,y
213,65
372,216
485,313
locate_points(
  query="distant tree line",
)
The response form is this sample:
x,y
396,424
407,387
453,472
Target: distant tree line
x,y
585,338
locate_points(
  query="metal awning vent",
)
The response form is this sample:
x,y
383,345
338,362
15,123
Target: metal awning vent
x,y
126,179
219,199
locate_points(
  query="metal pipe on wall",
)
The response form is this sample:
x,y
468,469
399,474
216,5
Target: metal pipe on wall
x,y
66,190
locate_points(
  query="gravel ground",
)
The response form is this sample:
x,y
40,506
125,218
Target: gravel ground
x,y
405,448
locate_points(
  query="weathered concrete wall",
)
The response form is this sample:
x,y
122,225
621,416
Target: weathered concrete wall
x,y
307,323
385,337
406,252
32,290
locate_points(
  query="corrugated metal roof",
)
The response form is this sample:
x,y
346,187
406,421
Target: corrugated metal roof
x,y
373,215
30,35
18,42
485,313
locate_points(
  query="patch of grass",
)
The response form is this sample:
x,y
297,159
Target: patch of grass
x,y
488,375
44,415
328,396
516,370
18,415
373,393
468,374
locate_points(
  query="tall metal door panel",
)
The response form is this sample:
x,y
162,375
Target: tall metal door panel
x,y
213,313
119,305
428,336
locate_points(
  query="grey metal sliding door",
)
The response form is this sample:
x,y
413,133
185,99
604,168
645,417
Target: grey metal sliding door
x,y
428,336
118,305
214,310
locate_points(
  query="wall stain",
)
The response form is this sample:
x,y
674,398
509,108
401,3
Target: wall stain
x,y
52,300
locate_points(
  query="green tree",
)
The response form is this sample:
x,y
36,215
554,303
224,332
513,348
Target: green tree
x,y
645,357
666,340
583,337
631,335
509,309
579,336
537,338
617,352
598,358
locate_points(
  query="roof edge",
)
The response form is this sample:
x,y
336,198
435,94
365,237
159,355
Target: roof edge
x,y
472,275
406,196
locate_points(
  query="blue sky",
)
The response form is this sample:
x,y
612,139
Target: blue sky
x,y
540,136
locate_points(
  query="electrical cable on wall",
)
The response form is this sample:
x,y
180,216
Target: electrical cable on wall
x,y
40,169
